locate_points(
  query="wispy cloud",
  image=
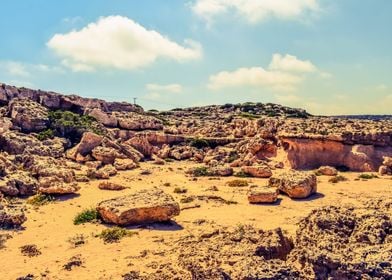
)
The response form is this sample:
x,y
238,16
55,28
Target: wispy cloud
x,y
118,42
171,88
254,11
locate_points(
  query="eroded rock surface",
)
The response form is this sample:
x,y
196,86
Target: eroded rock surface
x,y
145,206
296,184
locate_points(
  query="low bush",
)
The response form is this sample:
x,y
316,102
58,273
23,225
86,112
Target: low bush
x,y
115,234
367,176
337,179
237,183
86,216
40,199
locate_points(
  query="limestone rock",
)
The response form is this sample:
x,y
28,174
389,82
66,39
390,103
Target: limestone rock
x,y
145,206
87,143
135,121
106,155
18,183
11,216
263,195
296,184
327,171
258,171
124,164
104,118
30,116
105,172
107,185
56,185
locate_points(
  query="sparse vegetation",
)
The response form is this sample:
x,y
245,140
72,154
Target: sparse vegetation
x,y
187,199
30,250
337,179
46,134
367,176
237,183
115,234
86,216
77,240
242,174
180,190
200,171
3,239
40,199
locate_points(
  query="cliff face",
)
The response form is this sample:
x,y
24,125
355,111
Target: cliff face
x,y
313,153
55,101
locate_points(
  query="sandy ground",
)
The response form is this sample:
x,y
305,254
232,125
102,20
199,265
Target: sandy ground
x,y
51,226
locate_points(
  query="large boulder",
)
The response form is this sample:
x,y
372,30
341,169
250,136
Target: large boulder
x,y
258,171
106,155
30,116
145,206
142,144
87,143
296,184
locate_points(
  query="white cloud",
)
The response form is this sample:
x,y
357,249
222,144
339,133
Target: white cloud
x,y
290,63
255,10
118,42
286,75
172,88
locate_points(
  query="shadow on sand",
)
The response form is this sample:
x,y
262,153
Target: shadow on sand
x,y
65,197
161,226
277,203
310,198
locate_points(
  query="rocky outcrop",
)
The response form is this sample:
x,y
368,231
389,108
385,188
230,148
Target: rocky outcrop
x,y
18,183
57,185
135,121
296,184
263,195
55,101
18,143
145,206
311,154
386,167
87,143
30,116
345,243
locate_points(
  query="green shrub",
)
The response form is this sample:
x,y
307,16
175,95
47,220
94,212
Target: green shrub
x,y
86,216
237,183
71,125
200,171
367,176
40,199
249,116
77,240
115,234
337,179
46,134
242,174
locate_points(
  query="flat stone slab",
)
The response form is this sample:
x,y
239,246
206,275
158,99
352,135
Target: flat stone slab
x,y
145,206
296,184
263,195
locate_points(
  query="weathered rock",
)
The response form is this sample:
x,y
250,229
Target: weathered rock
x,y
260,171
145,206
387,162
56,185
296,184
18,183
30,116
87,143
11,216
105,172
384,170
135,121
327,171
5,125
141,144
107,185
263,195
124,164
106,155
104,118
18,143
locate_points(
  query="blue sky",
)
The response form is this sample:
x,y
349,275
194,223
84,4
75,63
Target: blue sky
x,y
329,57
